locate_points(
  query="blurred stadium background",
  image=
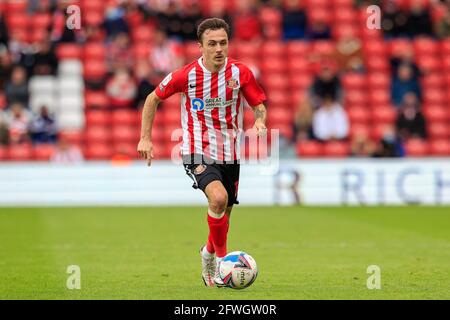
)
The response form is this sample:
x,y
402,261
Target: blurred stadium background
x,y
344,97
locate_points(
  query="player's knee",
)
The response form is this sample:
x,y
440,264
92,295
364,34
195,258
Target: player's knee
x,y
218,201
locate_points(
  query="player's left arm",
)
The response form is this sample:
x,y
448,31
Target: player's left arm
x,y
260,113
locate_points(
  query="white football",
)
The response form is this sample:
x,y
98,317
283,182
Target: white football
x,y
238,270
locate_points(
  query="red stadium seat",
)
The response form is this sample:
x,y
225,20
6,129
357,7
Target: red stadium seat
x,y
299,66
141,51
445,47
2,101
323,47
378,64
429,64
92,6
93,18
94,51
38,35
307,149
425,47
41,20
359,129
20,152
276,81
438,130
98,134
379,97
336,149
129,134
345,15
72,136
300,81
270,16
125,117
159,134
171,118
98,117
378,130
416,148
435,113
435,96
359,114
17,21
128,149
273,48
384,114
96,99
69,51
94,69
3,153
143,33
278,98
375,48
99,151
433,81
43,152
316,14
440,147
354,81
379,80
355,97
273,66
297,49
399,45
15,6
279,117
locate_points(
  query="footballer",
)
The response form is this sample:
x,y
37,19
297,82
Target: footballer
x,y
213,91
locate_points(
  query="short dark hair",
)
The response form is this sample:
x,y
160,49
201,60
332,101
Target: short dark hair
x,y
213,24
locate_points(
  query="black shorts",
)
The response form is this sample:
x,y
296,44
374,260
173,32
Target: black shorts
x,y
203,171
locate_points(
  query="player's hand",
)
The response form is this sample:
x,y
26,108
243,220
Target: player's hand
x,y
145,150
260,127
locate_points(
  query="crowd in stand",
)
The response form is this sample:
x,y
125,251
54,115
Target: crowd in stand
x,y
321,116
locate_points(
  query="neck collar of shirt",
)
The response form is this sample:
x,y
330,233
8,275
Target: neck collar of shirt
x,y
200,62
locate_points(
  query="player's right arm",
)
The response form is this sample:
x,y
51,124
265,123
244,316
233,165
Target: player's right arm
x,y
145,146
170,85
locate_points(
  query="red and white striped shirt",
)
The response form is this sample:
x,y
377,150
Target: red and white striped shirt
x,y
212,106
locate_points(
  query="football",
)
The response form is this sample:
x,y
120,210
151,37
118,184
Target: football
x,y
238,270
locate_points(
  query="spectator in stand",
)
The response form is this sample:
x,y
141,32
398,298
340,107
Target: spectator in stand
x,y
402,57
294,20
4,36
326,83
119,54
16,90
18,122
390,145
349,53
43,128
121,89
43,62
66,153
170,20
114,22
330,122
164,57
246,23
443,26
318,30
218,9
302,126
5,65
403,83
192,16
4,130
410,120
393,20
362,146
145,85
419,20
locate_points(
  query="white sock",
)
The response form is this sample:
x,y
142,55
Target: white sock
x,y
206,254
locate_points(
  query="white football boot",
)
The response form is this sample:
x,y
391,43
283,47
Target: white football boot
x,y
217,279
208,269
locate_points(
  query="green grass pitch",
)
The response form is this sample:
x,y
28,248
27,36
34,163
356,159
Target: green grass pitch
x,y
152,253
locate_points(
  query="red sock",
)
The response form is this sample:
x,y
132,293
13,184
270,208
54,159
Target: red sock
x,y
209,244
218,229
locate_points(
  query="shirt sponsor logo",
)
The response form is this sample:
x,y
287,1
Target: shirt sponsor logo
x,y
198,104
232,83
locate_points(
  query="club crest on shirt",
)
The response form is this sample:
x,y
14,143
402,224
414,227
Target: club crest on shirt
x,y
232,83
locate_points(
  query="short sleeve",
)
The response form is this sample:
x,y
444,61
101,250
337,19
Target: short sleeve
x,y
251,90
171,84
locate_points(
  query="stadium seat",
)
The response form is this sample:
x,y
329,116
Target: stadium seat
x,y
435,96
378,64
2,101
3,153
171,118
416,148
344,15
379,80
384,114
277,65
435,113
94,69
143,34
433,81
307,149
68,51
43,152
159,133
359,114
70,68
96,99
41,21
70,85
375,48
125,117
280,116
94,51
379,97
75,137
16,6
128,149
98,134
440,147
399,45
70,120
273,49
297,49
93,18
425,47
98,118
300,81
336,149
270,16
439,130
98,151
17,21
20,152
355,97
127,134
354,81
429,64
359,129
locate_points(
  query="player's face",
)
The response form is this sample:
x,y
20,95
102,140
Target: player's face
x,y
214,46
